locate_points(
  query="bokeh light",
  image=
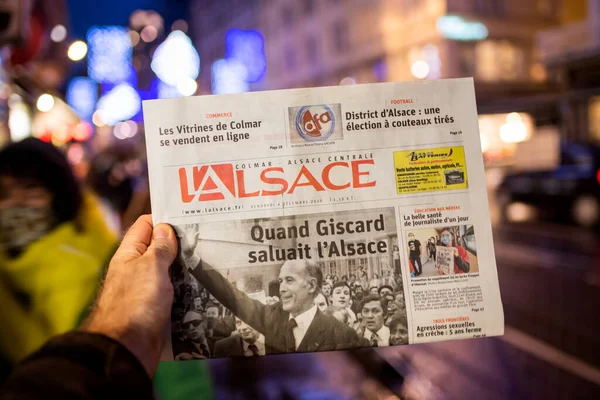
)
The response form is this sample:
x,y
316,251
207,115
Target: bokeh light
x,y
149,34
58,33
420,69
187,87
77,50
248,48
134,37
82,95
228,76
125,130
75,154
110,54
97,119
45,102
176,59
121,103
82,132
19,118
457,28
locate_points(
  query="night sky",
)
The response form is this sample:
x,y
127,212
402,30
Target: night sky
x,y
87,13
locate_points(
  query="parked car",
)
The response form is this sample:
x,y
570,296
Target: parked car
x,y
568,192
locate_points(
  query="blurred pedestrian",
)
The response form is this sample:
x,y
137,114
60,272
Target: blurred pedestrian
x,y
119,176
54,244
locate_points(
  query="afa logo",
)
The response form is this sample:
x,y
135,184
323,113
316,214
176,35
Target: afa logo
x,y
316,123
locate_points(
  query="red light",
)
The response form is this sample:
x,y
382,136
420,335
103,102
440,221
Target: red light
x,y
46,137
83,131
598,176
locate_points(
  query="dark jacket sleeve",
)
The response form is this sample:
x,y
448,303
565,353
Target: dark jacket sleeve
x,y
252,312
79,365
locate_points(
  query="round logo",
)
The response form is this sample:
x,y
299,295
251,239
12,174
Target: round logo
x,y
315,123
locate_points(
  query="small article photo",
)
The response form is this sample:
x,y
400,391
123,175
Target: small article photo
x,y
442,251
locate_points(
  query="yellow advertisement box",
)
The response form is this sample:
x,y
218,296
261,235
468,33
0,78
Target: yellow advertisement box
x,y
429,170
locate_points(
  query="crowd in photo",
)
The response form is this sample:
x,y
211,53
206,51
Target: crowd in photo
x,y
357,310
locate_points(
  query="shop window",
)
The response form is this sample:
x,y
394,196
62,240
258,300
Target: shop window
x,y
498,60
594,117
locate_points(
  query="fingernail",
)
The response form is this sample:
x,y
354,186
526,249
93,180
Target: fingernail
x,y
161,231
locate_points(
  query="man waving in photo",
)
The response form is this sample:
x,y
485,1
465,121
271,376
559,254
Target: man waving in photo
x,y
292,325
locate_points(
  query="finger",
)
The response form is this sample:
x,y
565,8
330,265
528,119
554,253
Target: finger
x,y
163,247
136,240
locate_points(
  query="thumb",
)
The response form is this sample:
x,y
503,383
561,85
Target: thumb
x,y
163,247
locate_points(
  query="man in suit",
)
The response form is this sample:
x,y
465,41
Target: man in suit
x,y
374,309
218,327
194,345
247,343
292,325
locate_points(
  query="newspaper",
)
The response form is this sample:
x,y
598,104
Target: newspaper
x,y
324,219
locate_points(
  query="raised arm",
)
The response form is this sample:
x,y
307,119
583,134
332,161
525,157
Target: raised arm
x,y
253,312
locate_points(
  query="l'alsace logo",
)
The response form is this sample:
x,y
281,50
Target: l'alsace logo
x,y
316,123
222,182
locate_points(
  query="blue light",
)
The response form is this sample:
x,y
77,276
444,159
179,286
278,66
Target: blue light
x,y
229,76
109,58
82,94
120,104
457,28
166,91
248,48
176,59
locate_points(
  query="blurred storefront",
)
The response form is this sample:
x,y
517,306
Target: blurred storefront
x,y
571,54
536,61
311,43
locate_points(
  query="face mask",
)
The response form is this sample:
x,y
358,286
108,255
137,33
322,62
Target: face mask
x,y
446,240
20,226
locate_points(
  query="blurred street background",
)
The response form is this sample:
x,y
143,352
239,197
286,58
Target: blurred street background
x,y
74,73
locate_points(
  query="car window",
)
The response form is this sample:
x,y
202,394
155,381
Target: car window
x,y
577,156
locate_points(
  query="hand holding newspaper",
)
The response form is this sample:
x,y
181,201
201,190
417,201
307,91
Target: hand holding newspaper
x,y
324,219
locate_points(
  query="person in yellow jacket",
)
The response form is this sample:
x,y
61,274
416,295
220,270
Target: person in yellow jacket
x,y
54,244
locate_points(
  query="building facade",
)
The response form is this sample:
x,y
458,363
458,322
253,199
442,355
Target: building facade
x,y
322,42
209,22
571,54
317,43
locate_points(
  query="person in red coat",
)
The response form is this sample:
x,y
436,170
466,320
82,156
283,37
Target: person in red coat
x,y
461,257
